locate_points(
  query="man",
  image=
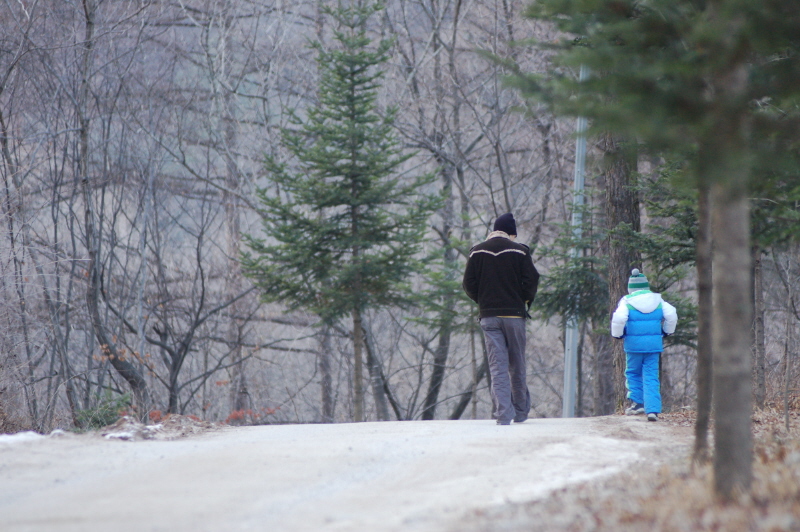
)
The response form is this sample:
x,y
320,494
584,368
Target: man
x,y
501,278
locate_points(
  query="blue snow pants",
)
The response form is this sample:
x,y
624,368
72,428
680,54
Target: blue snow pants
x,y
641,377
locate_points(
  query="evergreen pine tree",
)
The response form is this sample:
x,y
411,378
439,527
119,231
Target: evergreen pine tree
x,y
576,289
576,286
343,225
716,82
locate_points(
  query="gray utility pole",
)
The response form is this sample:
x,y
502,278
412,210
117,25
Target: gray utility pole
x,y
572,333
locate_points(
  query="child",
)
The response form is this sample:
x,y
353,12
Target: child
x,y
642,318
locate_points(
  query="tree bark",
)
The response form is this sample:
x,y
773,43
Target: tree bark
x,y
448,212
225,108
579,406
439,365
732,319
759,346
376,379
787,368
468,394
326,384
448,304
12,212
602,347
129,372
358,367
622,207
703,259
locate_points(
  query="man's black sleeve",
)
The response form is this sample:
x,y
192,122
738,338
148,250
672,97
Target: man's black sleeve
x,y
470,282
530,280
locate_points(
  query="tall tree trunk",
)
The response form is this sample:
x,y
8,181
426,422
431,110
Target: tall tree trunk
x,y
469,394
622,207
601,345
667,389
545,128
240,396
725,160
703,259
173,406
579,404
787,365
358,367
759,347
60,346
733,446
326,385
439,366
448,213
376,378
473,330
226,111
13,210
129,372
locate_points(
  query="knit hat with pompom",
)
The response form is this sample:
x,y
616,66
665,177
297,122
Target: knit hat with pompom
x,y
637,281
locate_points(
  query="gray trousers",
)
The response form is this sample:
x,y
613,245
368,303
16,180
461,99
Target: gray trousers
x,y
505,346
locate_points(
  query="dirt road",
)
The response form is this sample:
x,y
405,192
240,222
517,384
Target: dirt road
x,y
392,476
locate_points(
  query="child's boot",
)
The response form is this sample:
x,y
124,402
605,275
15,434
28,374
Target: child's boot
x,y
635,409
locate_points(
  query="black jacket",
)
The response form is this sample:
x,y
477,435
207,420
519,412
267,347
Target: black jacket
x,y
501,278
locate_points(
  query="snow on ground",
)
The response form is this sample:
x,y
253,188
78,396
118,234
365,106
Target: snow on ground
x,y
170,428
19,437
412,476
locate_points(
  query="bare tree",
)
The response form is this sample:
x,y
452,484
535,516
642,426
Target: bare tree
x,y
132,136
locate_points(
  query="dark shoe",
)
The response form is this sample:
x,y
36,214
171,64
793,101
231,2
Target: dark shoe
x,y
520,418
503,422
652,416
635,409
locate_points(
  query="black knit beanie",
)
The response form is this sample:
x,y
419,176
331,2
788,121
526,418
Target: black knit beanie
x,y
506,224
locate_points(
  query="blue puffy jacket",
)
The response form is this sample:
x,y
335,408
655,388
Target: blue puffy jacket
x,y
642,318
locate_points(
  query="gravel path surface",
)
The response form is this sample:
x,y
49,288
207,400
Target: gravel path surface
x,y
391,476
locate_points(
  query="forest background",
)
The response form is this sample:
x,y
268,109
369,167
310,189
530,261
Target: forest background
x,y
134,137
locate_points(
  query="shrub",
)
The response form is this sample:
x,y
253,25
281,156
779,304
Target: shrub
x,y
107,411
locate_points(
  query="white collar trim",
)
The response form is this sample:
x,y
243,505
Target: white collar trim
x,y
495,234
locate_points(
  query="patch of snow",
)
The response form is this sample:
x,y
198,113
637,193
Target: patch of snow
x,y
172,427
126,436
20,437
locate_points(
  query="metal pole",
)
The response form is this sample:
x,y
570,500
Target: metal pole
x,y
572,334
